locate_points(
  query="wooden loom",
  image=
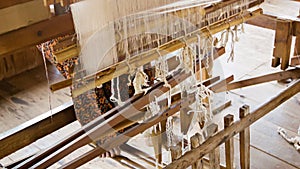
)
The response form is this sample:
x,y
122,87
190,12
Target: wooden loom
x,y
114,118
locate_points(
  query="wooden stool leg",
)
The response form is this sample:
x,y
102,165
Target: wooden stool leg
x,y
245,141
229,145
283,42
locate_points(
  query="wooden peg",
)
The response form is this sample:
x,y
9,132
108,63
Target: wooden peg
x,y
229,145
245,140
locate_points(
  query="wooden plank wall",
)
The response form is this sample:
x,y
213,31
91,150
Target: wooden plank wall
x,y
19,62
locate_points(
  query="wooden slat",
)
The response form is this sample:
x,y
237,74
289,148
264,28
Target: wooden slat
x,y
36,33
36,128
139,154
245,140
264,21
221,85
293,73
221,107
229,144
193,155
8,3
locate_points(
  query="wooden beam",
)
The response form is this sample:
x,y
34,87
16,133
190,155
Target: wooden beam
x,y
264,21
139,154
244,140
8,3
221,85
192,156
293,73
36,33
36,128
221,107
172,63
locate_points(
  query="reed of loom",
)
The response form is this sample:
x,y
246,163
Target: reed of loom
x,y
73,51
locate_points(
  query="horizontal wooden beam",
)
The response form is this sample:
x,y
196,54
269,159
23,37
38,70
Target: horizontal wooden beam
x,y
8,3
36,33
269,22
36,128
294,73
192,156
264,21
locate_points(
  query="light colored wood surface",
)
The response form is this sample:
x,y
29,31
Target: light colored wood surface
x,y
22,15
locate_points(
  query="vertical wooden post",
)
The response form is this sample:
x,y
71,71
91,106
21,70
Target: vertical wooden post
x,y
283,42
195,142
245,141
229,145
176,152
157,144
297,46
214,156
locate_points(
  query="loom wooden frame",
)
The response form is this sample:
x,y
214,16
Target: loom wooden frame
x,y
230,130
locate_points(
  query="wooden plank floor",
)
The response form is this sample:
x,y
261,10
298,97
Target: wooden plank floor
x,y
26,96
